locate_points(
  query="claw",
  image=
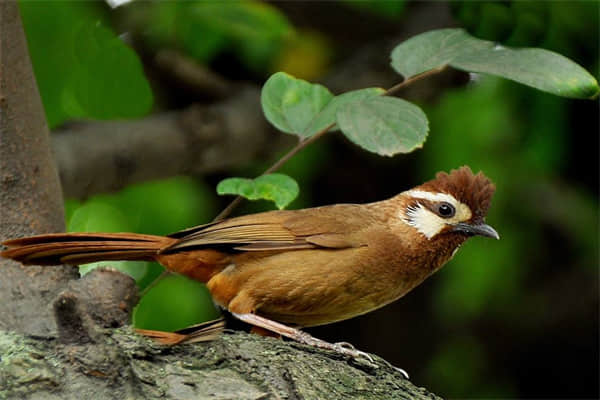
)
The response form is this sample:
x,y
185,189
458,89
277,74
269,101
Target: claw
x,y
403,372
349,350
365,355
345,345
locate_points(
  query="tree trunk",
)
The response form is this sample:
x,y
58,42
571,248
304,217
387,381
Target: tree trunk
x,y
30,195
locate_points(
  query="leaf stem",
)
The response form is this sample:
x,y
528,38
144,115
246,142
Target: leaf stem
x,y
413,79
302,143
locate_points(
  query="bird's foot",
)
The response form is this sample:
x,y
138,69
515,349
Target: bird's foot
x,y
349,349
299,336
344,348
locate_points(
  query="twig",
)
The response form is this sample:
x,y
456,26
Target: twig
x,y
193,74
413,79
302,143
159,278
197,140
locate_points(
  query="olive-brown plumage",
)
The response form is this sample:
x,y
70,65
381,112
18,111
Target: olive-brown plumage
x,y
305,267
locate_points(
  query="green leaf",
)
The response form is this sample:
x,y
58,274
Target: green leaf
x,y
433,49
85,70
109,81
538,68
279,188
291,104
384,125
327,116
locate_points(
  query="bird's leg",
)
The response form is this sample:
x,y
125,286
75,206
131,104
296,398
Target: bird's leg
x,y
300,336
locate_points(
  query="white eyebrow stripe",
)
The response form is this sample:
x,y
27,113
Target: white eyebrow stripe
x,y
421,194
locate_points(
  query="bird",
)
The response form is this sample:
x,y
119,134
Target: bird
x,y
285,270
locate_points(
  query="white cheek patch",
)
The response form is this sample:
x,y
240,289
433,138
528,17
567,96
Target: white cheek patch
x,y
424,221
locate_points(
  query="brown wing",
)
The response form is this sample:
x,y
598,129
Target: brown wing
x,y
330,226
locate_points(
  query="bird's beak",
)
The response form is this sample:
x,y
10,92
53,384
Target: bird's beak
x,y
476,229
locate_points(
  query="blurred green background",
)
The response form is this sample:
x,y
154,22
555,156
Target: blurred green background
x,y
506,319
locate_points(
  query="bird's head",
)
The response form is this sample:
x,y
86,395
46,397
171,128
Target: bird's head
x,y
451,204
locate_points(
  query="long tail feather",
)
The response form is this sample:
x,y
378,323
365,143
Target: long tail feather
x,y
82,248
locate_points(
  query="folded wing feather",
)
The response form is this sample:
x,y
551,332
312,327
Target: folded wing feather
x,y
327,226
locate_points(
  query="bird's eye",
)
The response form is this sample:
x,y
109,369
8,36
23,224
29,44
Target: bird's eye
x,y
445,210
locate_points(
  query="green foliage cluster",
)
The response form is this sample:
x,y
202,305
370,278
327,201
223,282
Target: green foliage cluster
x,y
388,126
254,32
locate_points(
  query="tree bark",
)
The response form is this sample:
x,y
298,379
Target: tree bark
x,y
30,194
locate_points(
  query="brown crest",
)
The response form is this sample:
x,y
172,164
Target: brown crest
x,y
474,190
